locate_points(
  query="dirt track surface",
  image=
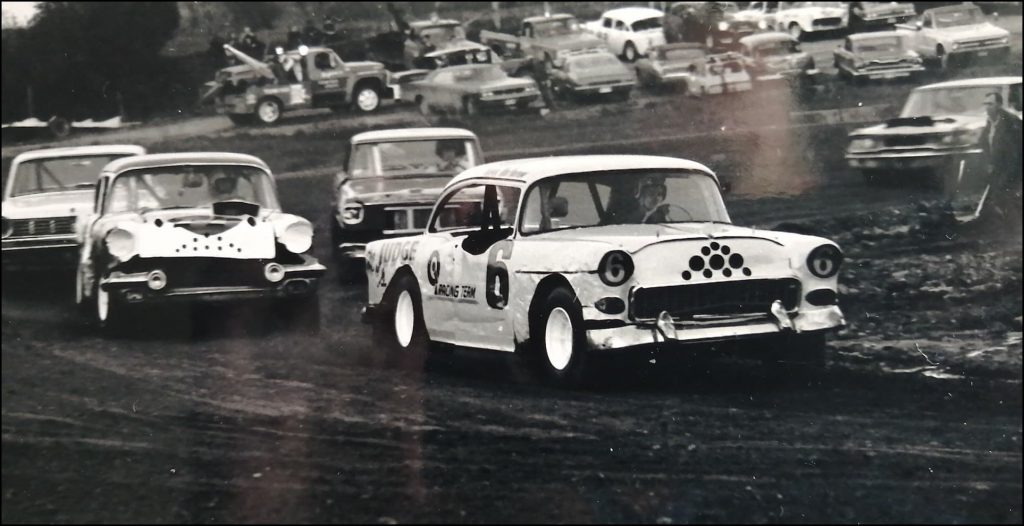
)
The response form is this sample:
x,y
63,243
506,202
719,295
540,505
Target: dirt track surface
x,y
207,417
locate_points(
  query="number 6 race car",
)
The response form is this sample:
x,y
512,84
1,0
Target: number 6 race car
x,y
566,257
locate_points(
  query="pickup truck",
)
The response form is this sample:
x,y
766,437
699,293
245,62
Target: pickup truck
x,y
546,38
303,78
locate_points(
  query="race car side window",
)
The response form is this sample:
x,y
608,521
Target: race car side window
x,y
620,26
477,207
607,23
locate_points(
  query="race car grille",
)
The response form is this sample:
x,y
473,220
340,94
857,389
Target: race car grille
x,y
906,140
203,272
832,21
50,226
509,91
406,219
980,43
730,297
603,82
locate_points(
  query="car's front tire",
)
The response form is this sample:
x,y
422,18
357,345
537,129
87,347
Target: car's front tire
x,y
367,98
629,52
560,344
268,111
401,328
110,313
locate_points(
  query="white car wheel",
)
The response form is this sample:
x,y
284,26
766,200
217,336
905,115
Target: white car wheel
x,y
102,305
795,31
558,338
367,100
629,52
269,111
79,293
405,319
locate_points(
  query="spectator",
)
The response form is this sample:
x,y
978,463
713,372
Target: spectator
x,y
311,36
294,38
542,76
1000,144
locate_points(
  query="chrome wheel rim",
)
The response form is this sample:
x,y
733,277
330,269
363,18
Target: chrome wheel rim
x,y
367,100
269,112
795,31
558,338
630,53
404,319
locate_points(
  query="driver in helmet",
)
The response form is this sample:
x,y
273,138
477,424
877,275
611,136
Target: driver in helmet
x,y
452,156
224,187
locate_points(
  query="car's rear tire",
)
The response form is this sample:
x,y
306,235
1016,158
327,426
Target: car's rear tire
x,y
401,329
366,98
268,111
559,341
629,53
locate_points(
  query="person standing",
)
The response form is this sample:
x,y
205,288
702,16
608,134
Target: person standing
x,y
1000,143
543,77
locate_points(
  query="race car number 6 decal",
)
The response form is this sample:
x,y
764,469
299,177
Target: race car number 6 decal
x,y
497,274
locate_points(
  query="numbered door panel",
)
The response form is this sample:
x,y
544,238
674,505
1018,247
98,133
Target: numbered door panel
x,y
439,267
482,273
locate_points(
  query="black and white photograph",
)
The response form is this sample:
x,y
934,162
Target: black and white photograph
x,y
512,262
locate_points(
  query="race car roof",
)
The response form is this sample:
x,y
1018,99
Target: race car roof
x,y
631,14
533,169
986,81
79,151
762,38
412,134
172,159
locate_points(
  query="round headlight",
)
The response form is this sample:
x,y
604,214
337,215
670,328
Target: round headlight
x,y
298,237
615,268
824,261
761,24
120,243
722,26
352,213
8,227
156,280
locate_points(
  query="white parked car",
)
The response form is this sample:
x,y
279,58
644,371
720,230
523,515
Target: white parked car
x,y
567,257
762,14
47,196
194,227
629,31
939,125
799,18
944,34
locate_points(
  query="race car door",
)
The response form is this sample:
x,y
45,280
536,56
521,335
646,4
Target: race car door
x,y
483,317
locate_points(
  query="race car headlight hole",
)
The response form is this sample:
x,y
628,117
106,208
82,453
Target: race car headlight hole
x,y
120,243
156,280
8,227
723,26
822,297
610,305
615,268
274,272
824,261
352,214
298,237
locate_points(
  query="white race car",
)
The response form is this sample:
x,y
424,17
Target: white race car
x,y
566,257
800,18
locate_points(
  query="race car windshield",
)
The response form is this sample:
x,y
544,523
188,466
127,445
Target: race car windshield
x,y
190,186
880,46
433,156
59,174
681,54
949,101
552,28
593,61
647,24
778,48
959,17
621,198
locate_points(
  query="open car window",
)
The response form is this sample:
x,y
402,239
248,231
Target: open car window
x,y
59,174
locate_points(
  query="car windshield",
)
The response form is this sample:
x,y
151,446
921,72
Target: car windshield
x,y
681,54
189,186
438,34
462,57
647,24
948,101
555,27
597,60
879,46
478,74
440,156
959,17
621,197
58,174
778,48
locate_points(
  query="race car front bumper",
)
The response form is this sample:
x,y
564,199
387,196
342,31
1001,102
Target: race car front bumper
x,y
298,280
666,330
906,160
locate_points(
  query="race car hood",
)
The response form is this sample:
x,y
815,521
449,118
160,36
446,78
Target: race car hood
x,y
51,204
197,232
411,189
652,247
575,41
923,125
972,32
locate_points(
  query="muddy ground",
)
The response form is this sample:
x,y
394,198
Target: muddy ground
x,y
211,417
